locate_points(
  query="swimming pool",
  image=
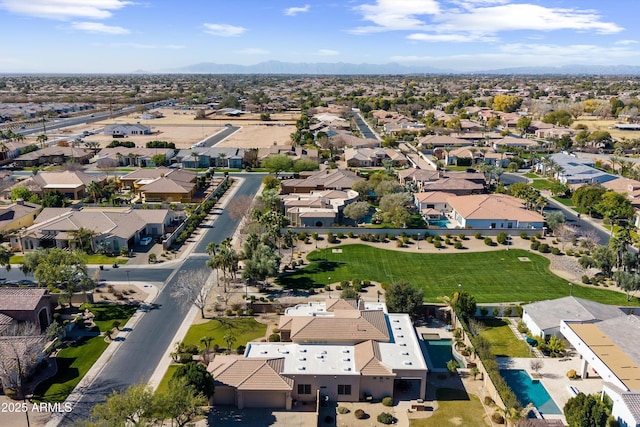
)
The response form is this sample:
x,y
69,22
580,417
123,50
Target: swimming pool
x,y
528,390
442,223
439,352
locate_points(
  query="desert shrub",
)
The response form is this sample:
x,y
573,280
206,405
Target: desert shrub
x,y
522,327
502,238
488,401
387,401
523,235
342,410
458,245
240,349
359,414
447,241
437,244
586,280
488,241
477,235
399,244
544,248
350,234
274,338
497,418
331,238
340,235
385,418
535,245
462,236
572,374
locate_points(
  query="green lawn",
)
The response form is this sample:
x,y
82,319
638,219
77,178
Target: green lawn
x,y
244,329
564,200
541,184
73,364
503,341
106,314
455,408
531,175
497,276
164,384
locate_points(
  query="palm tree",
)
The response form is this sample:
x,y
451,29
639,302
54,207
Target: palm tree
x,y
84,237
95,191
229,338
222,158
41,139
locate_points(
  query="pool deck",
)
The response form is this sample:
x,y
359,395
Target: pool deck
x,y
553,377
553,374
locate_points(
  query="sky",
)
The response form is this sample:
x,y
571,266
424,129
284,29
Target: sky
x,y
123,36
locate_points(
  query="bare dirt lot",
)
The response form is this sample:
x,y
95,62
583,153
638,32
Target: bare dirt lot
x,y
181,128
595,124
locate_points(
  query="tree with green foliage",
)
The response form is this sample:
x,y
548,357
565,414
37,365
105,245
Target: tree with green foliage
x,y
55,267
523,125
614,206
181,403
264,262
356,211
587,197
196,376
585,411
270,182
161,144
135,406
20,192
401,297
506,103
461,302
54,199
301,165
277,163
159,159
554,219
629,282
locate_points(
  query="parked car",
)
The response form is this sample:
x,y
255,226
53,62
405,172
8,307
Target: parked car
x,y
146,241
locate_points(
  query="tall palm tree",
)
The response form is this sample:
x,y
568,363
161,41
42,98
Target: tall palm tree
x,y
84,238
95,191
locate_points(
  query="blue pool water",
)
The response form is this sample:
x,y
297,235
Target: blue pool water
x,y
528,391
442,223
439,353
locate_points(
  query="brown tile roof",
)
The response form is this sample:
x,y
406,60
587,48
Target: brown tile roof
x,y
493,206
453,184
345,325
20,299
167,185
367,360
250,374
433,196
341,304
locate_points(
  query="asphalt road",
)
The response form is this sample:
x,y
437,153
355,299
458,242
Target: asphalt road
x,y
138,356
364,129
218,137
72,121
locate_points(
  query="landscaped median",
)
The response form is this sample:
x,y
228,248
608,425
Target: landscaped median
x,y
491,277
75,360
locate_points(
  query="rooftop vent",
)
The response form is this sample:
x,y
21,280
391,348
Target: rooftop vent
x,y
407,363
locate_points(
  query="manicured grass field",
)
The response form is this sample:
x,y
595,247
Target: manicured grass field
x,y
503,341
455,408
564,200
541,184
73,364
497,276
244,329
531,175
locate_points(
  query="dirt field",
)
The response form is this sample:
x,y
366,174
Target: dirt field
x,y
181,128
607,125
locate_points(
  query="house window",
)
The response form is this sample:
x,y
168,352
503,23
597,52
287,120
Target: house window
x,y
304,388
344,389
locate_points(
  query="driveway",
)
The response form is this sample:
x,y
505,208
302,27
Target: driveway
x,y
226,416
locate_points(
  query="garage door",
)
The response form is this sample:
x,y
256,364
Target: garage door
x,y
264,399
224,396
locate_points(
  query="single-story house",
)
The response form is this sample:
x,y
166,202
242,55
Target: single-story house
x,y
206,157
544,317
493,211
609,349
418,177
26,305
161,184
435,141
18,215
341,349
372,157
134,156
457,185
317,208
330,179
73,184
113,228
513,142
573,170
125,129
433,204
54,155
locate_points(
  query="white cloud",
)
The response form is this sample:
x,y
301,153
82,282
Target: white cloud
x,y
141,45
327,52
98,27
396,14
626,42
456,38
253,51
223,30
293,11
64,9
475,20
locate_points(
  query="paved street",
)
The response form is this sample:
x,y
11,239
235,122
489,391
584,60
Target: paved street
x,y
138,356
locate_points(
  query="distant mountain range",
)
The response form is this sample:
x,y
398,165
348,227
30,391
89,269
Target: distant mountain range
x,y
328,68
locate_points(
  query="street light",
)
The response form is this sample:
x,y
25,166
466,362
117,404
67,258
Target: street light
x,y
128,280
570,289
418,241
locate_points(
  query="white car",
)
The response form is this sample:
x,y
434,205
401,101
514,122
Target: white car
x,y
146,241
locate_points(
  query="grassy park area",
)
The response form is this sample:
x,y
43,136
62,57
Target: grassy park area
x,y
496,276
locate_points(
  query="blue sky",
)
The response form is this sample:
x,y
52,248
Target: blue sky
x,y
111,36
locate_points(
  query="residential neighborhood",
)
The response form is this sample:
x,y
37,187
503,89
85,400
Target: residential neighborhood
x,y
391,250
